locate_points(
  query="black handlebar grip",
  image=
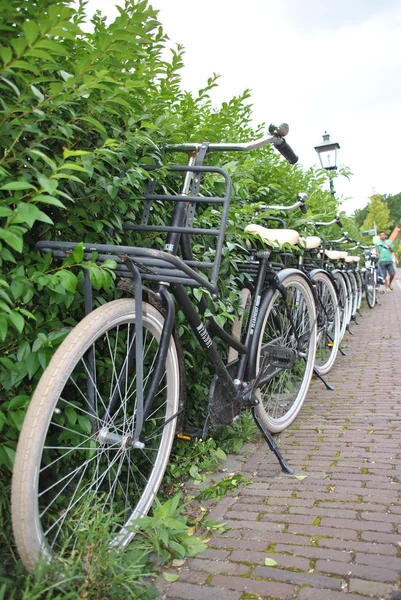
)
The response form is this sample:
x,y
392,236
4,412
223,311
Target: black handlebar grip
x,y
286,151
304,208
339,223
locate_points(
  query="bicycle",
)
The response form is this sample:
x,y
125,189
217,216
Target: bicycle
x,y
102,420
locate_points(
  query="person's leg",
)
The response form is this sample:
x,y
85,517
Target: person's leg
x,y
384,267
391,272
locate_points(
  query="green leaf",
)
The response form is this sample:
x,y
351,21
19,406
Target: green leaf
x,y
170,576
96,124
220,454
5,212
269,562
68,280
78,253
148,125
15,241
67,153
37,93
25,66
30,213
51,200
300,477
54,47
22,184
109,264
3,327
32,364
73,167
49,185
11,84
17,288
17,320
66,76
31,31
6,54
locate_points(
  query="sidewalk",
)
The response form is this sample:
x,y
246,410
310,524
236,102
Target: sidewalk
x,y
337,532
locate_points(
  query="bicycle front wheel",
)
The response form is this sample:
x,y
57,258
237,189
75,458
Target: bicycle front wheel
x,y
328,323
286,323
370,288
75,454
342,295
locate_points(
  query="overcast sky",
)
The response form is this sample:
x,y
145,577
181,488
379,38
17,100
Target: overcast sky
x,y
315,64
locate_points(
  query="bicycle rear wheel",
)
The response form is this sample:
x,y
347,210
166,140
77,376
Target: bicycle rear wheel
x,y
291,324
328,323
75,453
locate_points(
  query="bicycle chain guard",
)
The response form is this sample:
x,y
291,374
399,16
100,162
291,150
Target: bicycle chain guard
x,y
222,407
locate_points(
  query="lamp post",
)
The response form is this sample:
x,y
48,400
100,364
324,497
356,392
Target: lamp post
x,y
328,152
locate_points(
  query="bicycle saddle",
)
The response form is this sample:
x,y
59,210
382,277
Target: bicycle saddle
x,y
273,237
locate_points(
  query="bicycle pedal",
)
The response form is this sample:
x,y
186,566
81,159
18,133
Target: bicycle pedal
x,y
190,434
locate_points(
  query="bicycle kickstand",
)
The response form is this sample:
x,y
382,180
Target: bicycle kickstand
x,y
359,313
272,444
328,386
349,330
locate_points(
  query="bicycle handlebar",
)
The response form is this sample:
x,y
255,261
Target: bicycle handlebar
x,y
335,221
301,204
276,139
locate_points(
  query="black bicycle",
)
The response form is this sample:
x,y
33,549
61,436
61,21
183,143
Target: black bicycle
x,y
100,426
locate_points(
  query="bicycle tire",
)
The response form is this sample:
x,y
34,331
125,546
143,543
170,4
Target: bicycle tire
x,y
279,404
370,288
354,292
38,484
359,287
328,322
341,290
347,280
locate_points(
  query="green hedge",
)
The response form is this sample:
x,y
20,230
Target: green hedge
x,y
78,110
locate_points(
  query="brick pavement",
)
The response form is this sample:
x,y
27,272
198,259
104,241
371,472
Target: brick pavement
x,y
337,532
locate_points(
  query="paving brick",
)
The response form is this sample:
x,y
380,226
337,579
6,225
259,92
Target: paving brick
x,y
188,591
315,552
358,525
354,546
215,566
360,571
268,589
371,588
212,553
307,593
258,558
297,577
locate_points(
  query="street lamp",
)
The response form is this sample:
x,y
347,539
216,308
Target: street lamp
x,y
328,152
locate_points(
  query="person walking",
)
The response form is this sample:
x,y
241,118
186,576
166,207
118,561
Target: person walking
x,y
385,252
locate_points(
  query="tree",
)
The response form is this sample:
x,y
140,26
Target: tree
x,y
394,206
378,214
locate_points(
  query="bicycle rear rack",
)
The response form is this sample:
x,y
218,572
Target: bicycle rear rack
x,y
161,265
